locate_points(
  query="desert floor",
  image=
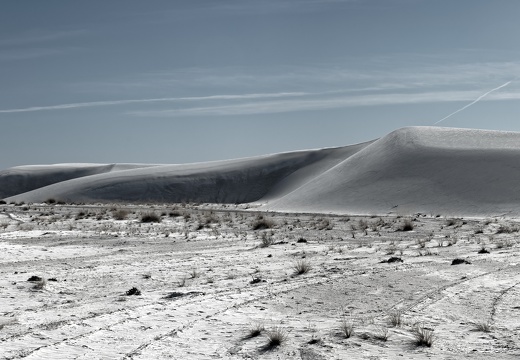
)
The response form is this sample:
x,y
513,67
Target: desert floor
x,y
212,286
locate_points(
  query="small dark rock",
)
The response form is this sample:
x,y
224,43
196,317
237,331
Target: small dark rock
x,y
483,251
270,255
302,240
52,279
34,278
256,281
393,259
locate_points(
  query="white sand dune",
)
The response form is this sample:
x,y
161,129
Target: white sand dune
x,y
231,181
21,179
418,169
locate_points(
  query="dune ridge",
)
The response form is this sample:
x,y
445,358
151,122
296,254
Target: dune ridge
x,y
417,169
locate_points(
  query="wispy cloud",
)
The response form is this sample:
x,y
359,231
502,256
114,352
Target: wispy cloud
x,y
37,43
287,89
39,36
387,74
155,100
23,54
291,105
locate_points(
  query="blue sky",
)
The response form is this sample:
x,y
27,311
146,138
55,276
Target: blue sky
x,y
164,81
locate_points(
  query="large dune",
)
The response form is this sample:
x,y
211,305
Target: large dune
x,y
419,169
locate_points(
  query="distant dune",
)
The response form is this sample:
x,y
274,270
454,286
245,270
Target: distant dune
x,y
418,169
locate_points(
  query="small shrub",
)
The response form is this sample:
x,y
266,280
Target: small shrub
x,y
450,222
483,250
393,259
120,214
150,217
396,318
406,225
362,225
262,224
346,328
194,274
381,334
266,241
133,291
275,337
423,336
50,201
255,330
2,202
459,261
301,267
483,326
504,229
40,285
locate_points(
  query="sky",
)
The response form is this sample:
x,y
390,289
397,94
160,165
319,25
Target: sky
x,y
180,81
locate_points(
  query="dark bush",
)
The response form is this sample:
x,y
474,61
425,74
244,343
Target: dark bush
x,y
262,224
459,261
133,291
150,217
120,214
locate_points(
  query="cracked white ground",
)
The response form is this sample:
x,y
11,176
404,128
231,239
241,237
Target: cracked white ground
x,y
198,299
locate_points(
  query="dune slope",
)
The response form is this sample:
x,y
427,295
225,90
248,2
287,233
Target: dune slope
x,y
431,170
21,179
232,181
419,169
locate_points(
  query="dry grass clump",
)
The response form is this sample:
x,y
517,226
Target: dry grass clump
x,y
277,336
346,328
483,326
150,217
302,267
396,318
266,241
505,229
194,274
255,330
423,336
381,334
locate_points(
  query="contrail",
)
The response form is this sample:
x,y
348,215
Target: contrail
x,y
473,102
137,101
